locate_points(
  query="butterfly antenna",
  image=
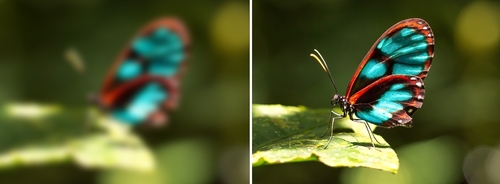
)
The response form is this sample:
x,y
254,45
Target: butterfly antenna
x,y
323,64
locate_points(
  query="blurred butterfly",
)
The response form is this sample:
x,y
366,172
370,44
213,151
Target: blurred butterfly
x,y
143,82
387,87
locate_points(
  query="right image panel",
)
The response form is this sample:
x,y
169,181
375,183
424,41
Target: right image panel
x,y
393,92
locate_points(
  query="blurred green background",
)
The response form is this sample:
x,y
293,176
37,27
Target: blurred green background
x,y
206,139
455,138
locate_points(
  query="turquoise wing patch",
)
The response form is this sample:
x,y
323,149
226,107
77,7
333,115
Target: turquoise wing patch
x,y
147,100
390,101
159,54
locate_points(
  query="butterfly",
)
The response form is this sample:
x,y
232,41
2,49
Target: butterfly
x,y
144,80
387,87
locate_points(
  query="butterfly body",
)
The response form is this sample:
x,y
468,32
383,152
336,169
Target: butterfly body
x,y
387,87
144,80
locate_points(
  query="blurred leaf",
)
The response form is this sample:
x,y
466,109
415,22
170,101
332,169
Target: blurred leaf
x,y
32,155
31,110
25,124
284,134
104,151
117,147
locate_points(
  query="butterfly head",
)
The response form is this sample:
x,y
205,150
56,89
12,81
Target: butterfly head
x,y
335,99
340,100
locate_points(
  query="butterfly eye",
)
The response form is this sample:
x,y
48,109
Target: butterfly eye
x,y
335,99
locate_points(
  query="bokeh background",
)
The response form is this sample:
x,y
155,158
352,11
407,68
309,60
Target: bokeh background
x,y
207,138
455,138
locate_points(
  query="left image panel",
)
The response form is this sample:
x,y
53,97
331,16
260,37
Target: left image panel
x,y
112,92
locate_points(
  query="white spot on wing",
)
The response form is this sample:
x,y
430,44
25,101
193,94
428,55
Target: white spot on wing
x,y
419,84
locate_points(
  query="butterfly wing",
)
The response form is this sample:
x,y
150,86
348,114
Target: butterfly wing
x,y
406,48
390,101
142,99
144,80
161,48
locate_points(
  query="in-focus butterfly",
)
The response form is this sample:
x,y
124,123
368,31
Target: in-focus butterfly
x,y
387,87
143,83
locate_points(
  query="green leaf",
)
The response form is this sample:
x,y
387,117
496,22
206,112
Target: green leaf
x,y
111,145
282,134
105,151
96,151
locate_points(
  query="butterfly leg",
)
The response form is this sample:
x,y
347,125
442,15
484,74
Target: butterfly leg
x,y
332,119
330,122
368,129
